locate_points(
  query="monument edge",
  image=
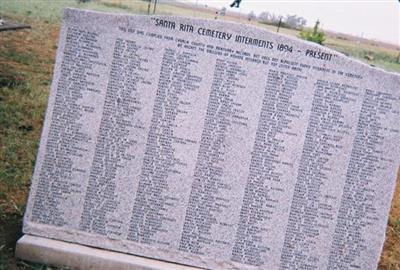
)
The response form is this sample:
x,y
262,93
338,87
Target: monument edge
x,y
64,254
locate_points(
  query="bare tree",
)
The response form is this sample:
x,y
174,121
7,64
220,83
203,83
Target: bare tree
x,y
274,19
264,17
251,16
222,11
294,21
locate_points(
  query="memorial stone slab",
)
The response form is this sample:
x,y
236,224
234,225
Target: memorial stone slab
x,y
214,145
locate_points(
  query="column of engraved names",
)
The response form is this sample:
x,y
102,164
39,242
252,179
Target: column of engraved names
x,y
263,185
357,212
207,203
67,140
311,210
120,109
160,164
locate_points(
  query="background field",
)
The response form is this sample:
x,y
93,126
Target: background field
x,y
26,64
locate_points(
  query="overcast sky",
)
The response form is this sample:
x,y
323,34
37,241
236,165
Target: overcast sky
x,y
378,19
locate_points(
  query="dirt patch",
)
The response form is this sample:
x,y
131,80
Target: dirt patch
x,y
10,230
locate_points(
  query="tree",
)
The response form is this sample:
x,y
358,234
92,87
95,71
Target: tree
x,y
290,21
264,17
251,16
315,35
294,21
274,19
222,12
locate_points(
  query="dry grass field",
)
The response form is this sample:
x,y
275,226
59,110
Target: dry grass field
x,y
26,64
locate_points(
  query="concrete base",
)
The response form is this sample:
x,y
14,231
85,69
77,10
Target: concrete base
x,y
60,253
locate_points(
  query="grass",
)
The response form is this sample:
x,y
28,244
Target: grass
x,y
26,64
385,58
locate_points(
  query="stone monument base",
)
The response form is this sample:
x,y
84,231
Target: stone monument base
x,y
60,253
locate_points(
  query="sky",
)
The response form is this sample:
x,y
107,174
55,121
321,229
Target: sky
x,y
372,19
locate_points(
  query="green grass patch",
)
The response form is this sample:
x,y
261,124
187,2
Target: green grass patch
x,y
379,57
9,79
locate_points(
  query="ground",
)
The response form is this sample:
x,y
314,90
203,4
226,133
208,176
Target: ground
x,y
26,64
